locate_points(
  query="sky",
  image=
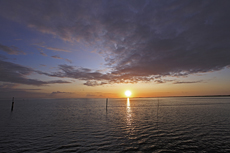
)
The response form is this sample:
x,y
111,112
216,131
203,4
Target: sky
x,y
101,48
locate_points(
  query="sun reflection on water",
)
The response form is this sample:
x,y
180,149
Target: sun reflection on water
x,y
129,111
128,102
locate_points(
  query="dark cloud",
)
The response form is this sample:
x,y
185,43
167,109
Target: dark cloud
x,y
139,40
91,95
59,92
32,89
95,78
14,73
42,53
99,94
13,86
9,90
6,86
57,49
183,82
159,81
2,57
56,56
68,60
94,83
11,50
51,48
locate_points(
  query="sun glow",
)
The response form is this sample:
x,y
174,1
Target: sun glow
x,y
128,93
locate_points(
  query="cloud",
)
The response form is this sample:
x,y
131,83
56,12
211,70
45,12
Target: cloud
x,y
90,95
57,49
68,60
94,83
58,57
14,73
51,48
159,81
95,78
11,50
77,73
100,94
7,85
139,40
183,82
58,93
13,86
42,53
32,89
9,90
2,57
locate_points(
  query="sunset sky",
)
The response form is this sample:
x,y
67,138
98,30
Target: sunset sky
x,y
101,48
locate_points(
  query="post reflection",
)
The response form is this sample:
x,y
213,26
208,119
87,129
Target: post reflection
x,y
129,113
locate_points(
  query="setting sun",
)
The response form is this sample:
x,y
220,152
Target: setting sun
x,y
128,93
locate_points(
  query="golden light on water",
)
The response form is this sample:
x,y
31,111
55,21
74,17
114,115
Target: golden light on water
x,y
128,103
128,93
129,114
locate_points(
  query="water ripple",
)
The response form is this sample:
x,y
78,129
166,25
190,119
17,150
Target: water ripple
x,y
84,125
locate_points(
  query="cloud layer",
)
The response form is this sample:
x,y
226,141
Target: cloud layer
x,y
14,73
11,50
139,40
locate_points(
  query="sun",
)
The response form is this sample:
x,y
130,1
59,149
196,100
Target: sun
x,y
128,93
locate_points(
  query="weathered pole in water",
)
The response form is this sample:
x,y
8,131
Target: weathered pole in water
x,y
157,115
12,106
106,103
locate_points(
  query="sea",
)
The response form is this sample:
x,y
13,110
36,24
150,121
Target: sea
x,y
176,124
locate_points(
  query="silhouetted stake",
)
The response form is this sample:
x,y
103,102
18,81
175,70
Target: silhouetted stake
x,y
157,114
157,108
106,103
12,106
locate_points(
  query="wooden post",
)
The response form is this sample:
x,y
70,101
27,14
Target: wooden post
x,y
157,115
12,106
106,103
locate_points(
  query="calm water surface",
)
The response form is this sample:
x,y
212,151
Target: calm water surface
x,y
137,125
